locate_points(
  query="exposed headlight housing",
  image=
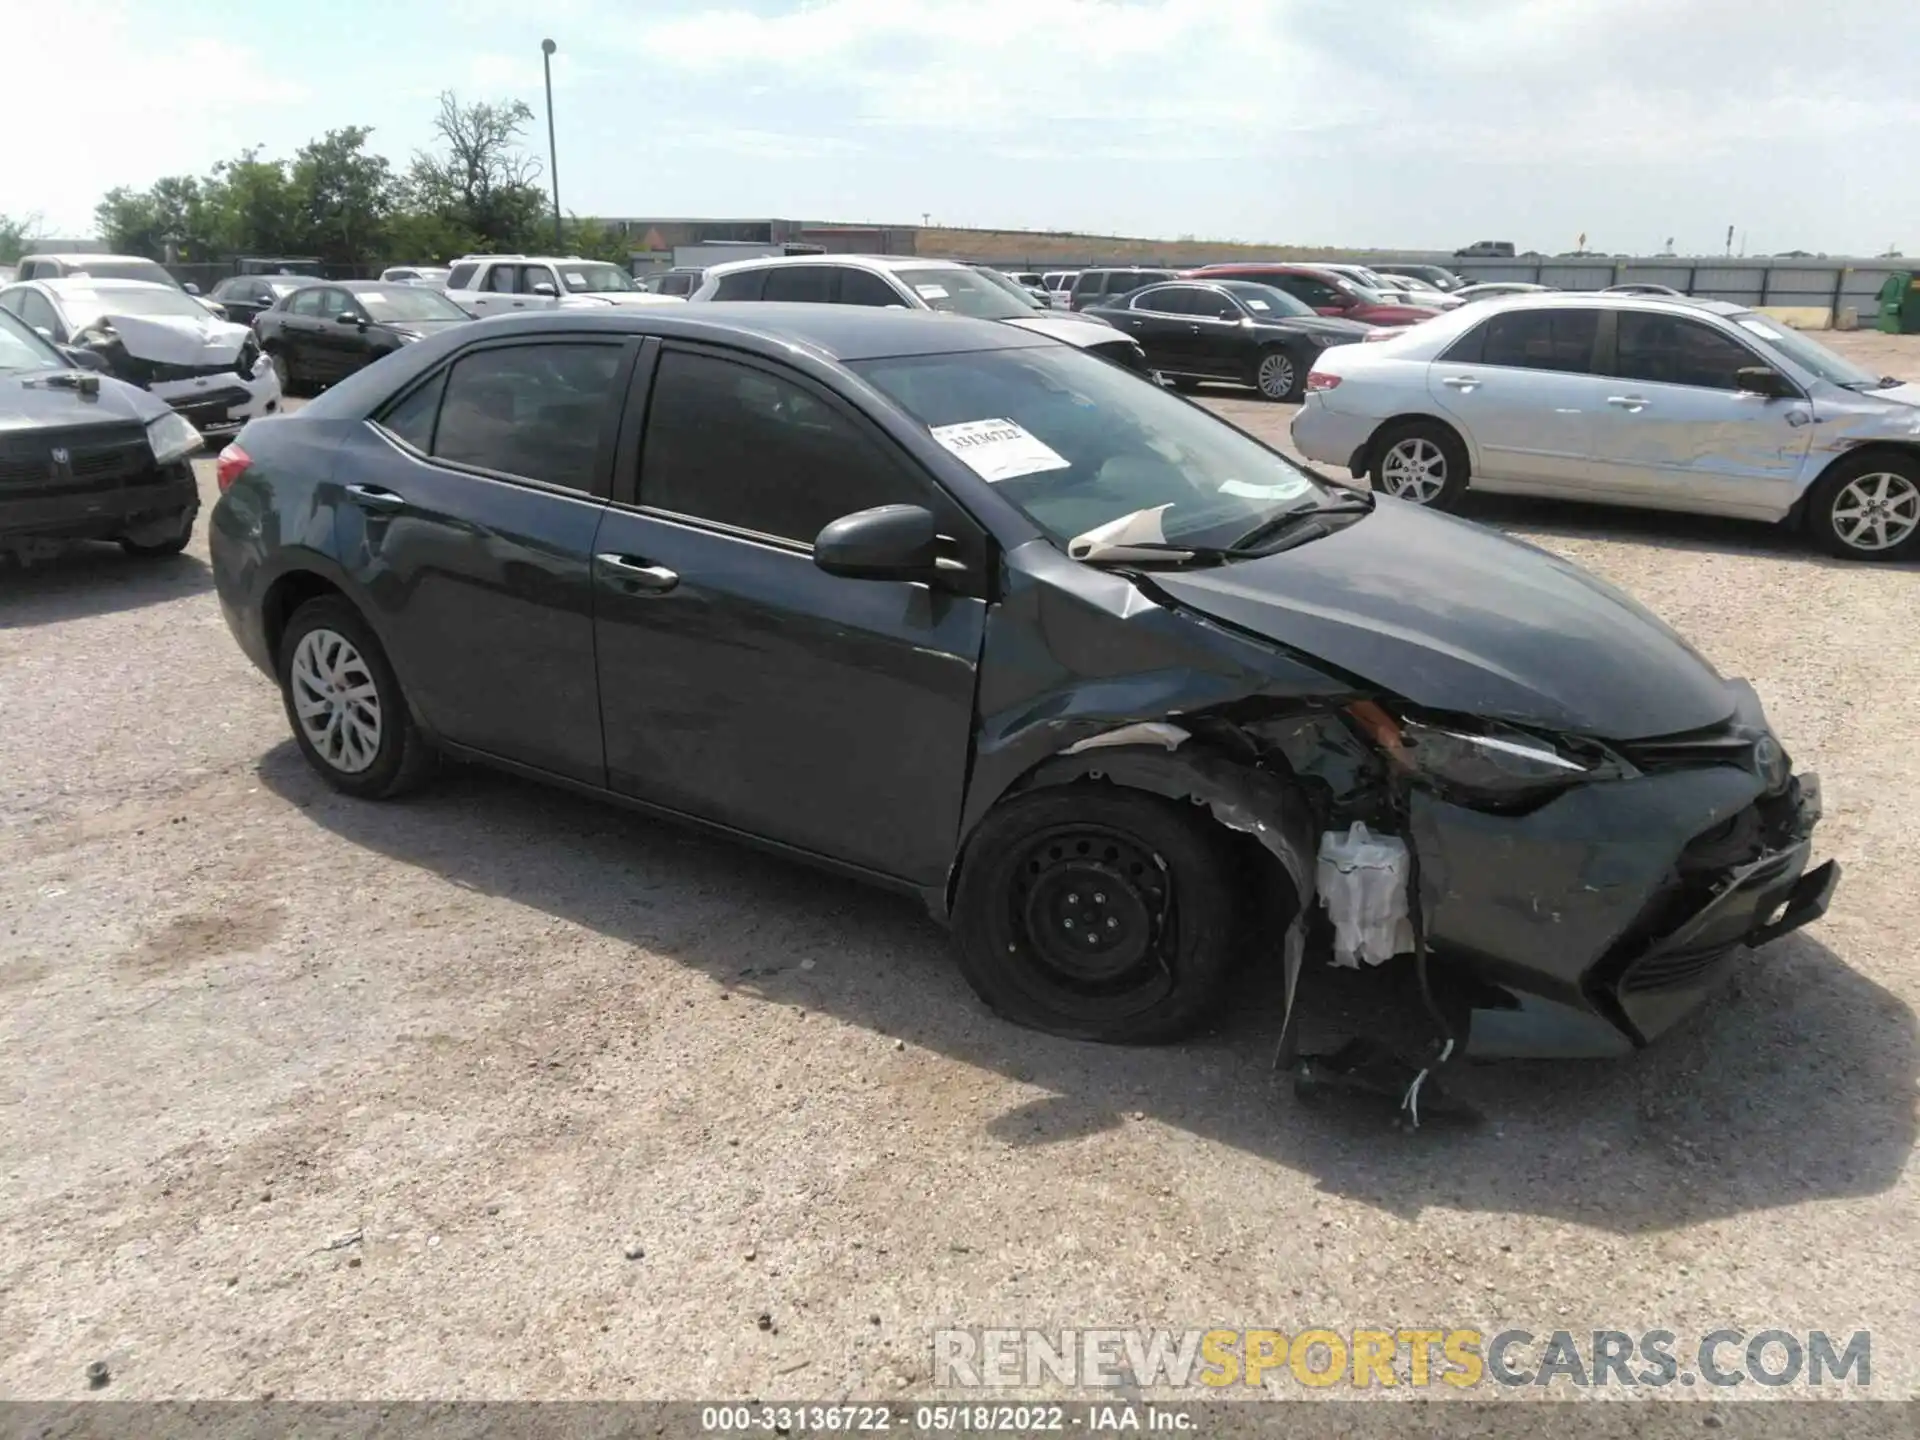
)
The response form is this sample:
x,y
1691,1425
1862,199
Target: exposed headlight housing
x,y
1485,763
173,438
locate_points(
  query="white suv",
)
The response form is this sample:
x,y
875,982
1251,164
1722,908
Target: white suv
x,y
507,284
908,282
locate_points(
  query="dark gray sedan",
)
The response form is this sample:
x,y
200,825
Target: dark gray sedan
x,y
964,611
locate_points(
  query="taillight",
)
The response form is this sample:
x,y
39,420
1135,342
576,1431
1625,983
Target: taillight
x,y
231,465
1318,380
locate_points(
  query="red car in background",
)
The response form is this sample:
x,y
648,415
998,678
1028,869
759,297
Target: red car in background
x,y
1327,291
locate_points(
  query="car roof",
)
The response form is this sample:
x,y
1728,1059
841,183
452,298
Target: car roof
x,y
69,258
1588,299
836,332
64,284
863,262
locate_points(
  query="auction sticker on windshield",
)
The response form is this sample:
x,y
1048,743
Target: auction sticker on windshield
x,y
999,449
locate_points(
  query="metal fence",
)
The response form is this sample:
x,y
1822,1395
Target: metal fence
x,y
209,273
1829,285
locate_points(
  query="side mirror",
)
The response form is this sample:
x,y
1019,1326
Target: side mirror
x,y
348,318
541,287
888,542
84,359
191,288
1764,380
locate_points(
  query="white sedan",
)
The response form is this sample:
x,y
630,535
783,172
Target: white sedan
x,y
159,338
1668,404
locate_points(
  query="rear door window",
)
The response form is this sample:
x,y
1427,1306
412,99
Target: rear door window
x,y
536,411
1672,350
306,302
1559,340
800,284
502,279
1164,300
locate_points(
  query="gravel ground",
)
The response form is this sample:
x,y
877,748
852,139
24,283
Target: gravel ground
x,y
331,1100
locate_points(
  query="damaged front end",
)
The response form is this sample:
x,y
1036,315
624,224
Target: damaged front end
x,y
1555,895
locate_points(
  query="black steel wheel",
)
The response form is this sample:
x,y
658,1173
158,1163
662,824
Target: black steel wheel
x,y
1096,913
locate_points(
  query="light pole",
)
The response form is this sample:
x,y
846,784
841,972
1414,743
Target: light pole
x,y
547,47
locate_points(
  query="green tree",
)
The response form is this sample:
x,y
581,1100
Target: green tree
x,y
592,240
17,237
257,210
480,181
345,195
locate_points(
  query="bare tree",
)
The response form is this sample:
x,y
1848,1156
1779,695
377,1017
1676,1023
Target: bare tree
x,y
481,181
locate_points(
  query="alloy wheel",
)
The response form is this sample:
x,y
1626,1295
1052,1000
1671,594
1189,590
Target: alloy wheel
x,y
1275,376
1414,469
336,701
1877,511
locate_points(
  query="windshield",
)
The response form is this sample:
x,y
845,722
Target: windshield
x,y
21,349
406,302
1013,288
85,306
124,270
1808,354
1264,300
960,291
592,278
1076,443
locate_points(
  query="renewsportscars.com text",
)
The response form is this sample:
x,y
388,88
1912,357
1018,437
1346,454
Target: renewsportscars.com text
x,y
1418,1358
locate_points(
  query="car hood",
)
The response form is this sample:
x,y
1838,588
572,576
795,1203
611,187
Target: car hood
x,y
178,339
28,403
1069,330
1454,617
1395,314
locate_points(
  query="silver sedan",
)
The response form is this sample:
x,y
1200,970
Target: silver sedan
x,y
1665,403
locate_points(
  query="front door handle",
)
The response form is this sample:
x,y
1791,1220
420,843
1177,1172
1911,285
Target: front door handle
x,y
640,575
1628,402
1460,382
375,497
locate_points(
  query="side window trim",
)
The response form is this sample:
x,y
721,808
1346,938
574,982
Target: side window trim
x,y
951,514
620,389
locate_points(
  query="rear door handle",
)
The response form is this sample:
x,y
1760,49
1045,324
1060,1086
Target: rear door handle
x,y
639,574
374,497
1460,382
1628,402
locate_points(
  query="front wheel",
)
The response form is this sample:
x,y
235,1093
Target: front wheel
x,y
161,538
1422,461
283,371
1096,913
1868,508
1278,377
345,705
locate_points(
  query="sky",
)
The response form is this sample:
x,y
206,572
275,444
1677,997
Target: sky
x,y
1379,123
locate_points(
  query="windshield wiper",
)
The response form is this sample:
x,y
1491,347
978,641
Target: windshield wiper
x,y
1277,526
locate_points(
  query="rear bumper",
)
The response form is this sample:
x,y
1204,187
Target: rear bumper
x,y
98,514
1326,436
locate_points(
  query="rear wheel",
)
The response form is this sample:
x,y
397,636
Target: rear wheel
x,y
1422,461
1278,376
1868,508
1096,913
345,705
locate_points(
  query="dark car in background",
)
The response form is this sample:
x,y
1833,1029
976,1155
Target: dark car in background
x,y
1099,287
84,456
1233,330
319,334
953,608
1326,291
245,296
682,280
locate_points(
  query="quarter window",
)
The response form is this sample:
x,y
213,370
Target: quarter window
x,y
735,445
530,410
460,276
1669,350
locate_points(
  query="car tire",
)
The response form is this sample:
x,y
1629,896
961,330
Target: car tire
x,y
1421,461
283,370
167,545
330,657
1867,507
1150,882
1279,376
